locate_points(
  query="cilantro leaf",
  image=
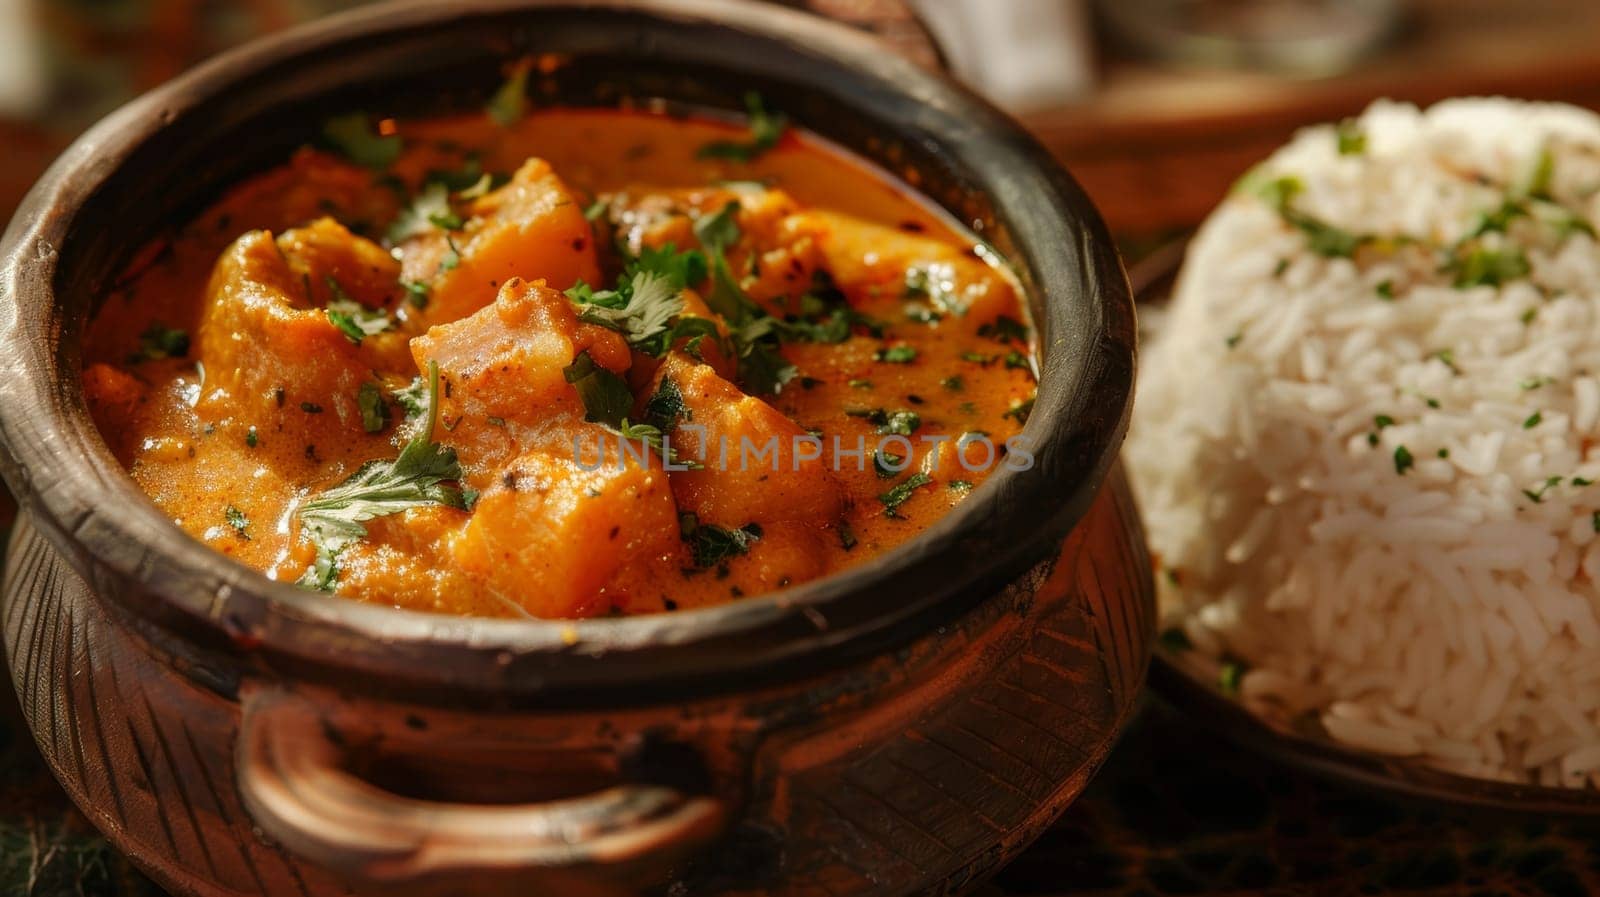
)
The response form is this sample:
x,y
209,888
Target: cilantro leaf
x,y
765,130
667,406
510,102
355,138
374,411
1352,140
1488,267
652,302
713,545
718,230
419,477
894,498
606,397
355,320
415,400
237,519
429,209
160,341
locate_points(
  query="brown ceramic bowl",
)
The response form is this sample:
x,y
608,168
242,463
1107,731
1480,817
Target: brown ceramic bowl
x,y
900,727
1188,682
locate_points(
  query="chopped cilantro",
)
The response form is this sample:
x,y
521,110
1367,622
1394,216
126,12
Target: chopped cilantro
x,y
894,498
953,383
237,520
666,407
847,536
250,437
1020,411
960,486
355,138
718,230
1005,329
1229,678
899,423
1403,460
606,397
901,354
428,210
1385,290
510,102
354,320
374,411
1488,267
336,518
888,465
1537,495
415,400
1352,141
417,293
649,302
765,130
160,341
713,545
1533,420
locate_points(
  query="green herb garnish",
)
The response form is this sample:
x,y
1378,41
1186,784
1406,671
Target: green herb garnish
x,y
354,320
887,465
374,410
894,498
765,130
713,545
1488,267
419,477
901,354
1352,141
606,397
355,138
1403,460
510,102
237,520
160,341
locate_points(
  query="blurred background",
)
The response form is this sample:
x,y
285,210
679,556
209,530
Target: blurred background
x,y
1156,105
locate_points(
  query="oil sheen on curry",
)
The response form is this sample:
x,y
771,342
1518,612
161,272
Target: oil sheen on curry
x,y
562,363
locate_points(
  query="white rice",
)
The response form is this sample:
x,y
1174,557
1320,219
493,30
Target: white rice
x,y
1449,611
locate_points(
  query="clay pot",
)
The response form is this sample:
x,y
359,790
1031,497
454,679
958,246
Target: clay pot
x,y
902,727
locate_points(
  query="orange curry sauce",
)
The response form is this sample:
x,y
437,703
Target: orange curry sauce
x,y
223,383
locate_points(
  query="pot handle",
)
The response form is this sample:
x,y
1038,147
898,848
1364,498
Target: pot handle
x,y
293,781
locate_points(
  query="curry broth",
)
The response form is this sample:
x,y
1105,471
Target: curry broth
x,y
233,458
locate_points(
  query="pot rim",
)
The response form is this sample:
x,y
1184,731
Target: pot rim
x,y
66,479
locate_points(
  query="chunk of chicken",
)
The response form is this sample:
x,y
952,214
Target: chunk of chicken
x,y
503,370
775,262
265,337
759,466
531,228
551,535
868,259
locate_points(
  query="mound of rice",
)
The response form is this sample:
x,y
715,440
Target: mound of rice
x,y
1365,438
